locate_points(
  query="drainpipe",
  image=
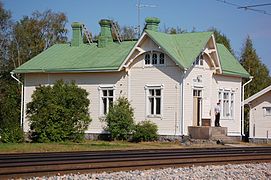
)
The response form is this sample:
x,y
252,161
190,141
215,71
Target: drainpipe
x,y
182,123
242,105
22,98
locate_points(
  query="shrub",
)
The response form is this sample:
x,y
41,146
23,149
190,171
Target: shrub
x,y
12,134
58,113
10,130
145,131
120,119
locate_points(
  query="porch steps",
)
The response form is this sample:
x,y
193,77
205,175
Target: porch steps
x,y
211,133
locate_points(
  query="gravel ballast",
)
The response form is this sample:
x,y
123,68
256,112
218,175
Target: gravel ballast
x,y
235,171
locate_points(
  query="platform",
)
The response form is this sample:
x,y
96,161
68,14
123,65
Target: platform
x,y
207,132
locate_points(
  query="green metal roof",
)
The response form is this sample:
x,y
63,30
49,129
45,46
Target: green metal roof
x,y
85,58
183,48
229,64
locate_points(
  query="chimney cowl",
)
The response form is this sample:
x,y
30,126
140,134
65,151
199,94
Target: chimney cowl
x,y
152,20
105,22
152,23
76,25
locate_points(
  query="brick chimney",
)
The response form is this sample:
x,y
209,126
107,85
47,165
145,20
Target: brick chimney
x,y
105,34
77,38
152,23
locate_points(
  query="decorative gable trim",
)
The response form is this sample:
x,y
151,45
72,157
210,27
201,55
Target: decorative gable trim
x,y
129,60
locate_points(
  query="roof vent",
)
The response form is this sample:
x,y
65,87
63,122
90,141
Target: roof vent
x,y
106,33
76,34
152,23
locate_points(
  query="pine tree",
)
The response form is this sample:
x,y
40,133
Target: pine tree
x,y
252,63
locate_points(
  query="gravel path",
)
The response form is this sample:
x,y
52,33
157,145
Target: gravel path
x,y
242,171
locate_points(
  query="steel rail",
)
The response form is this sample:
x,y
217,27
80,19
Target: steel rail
x,y
37,164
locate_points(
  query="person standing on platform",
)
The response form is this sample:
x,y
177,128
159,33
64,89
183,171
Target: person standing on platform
x,y
217,114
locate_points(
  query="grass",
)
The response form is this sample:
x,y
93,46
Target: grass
x,y
89,145
84,146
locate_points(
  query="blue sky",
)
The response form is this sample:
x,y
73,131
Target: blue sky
x,y
235,23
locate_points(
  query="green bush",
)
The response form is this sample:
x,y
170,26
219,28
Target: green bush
x,y
120,119
145,131
10,130
58,113
12,134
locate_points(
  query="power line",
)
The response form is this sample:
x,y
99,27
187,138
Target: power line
x,y
247,7
256,5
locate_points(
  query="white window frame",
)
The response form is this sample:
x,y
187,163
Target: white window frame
x,y
151,53
147,104
265,112
101,88
199,61
230,104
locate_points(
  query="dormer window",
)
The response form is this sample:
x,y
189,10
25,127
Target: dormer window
x,y
199,61
154,58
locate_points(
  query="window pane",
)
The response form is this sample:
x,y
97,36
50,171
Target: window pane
x,y
110,92
158,92
154,59
104,105
161,59
268,111
226,95
104,92
147,59
226,108
158,105
151,92
201,62
151,105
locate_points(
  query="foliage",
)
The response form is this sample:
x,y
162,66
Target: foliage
x,y
261,79
145,131
252,63
19,42
120,119
10,130
222,39
59,112
12,134
33,34
5,29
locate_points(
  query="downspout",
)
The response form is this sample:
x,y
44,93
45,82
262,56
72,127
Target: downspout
x,y
22,98
183,78
242,105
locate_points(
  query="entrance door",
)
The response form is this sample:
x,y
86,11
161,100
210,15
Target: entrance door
x,y
197,107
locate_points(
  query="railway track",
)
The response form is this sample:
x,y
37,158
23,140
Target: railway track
x,y
40,164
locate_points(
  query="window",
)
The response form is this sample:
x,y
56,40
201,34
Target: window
x,y
199,61
267,111
154,58
147,59
226,98
154,101
106,99
162,58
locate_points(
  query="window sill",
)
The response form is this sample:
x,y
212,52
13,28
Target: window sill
x,y
227,118
154,116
